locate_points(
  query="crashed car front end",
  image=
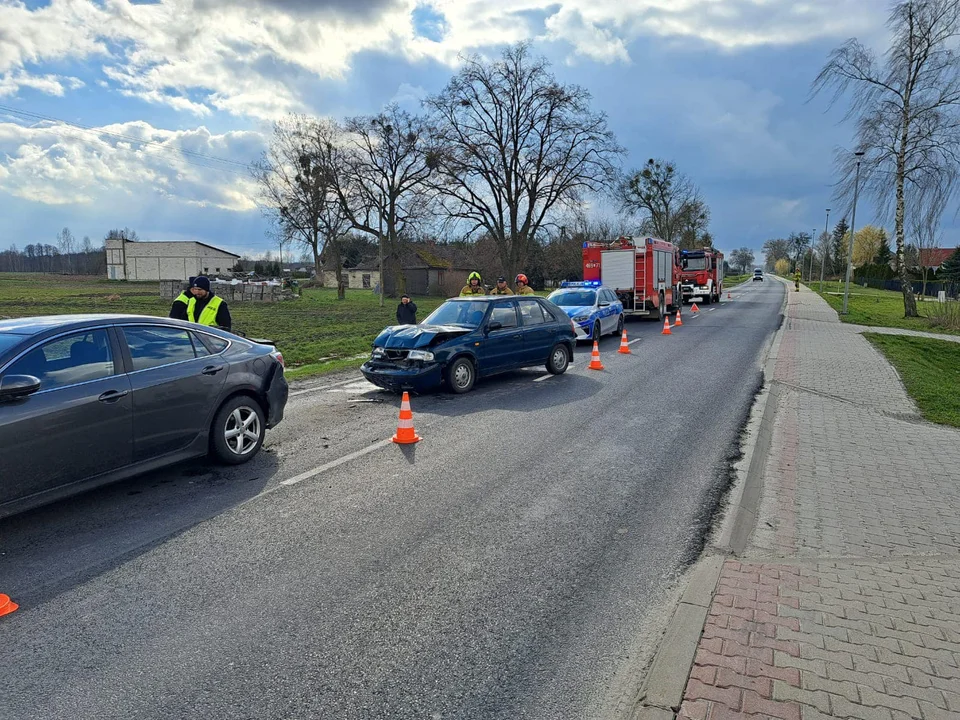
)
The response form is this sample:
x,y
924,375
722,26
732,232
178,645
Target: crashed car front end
x,y
411,357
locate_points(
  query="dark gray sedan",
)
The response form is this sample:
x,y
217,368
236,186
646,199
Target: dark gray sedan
x,y
90,399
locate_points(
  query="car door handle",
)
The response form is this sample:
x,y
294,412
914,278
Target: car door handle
x,y
212,369
111,396
517,337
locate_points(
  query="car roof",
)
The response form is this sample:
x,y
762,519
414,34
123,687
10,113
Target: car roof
x,y
29,326
492,298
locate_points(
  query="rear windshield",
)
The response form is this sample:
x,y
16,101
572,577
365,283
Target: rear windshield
x,y
468,313
573,298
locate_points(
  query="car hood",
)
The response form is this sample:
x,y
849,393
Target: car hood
x,y
408,337
572,310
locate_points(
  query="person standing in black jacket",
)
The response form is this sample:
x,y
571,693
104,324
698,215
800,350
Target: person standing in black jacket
x,y
406,311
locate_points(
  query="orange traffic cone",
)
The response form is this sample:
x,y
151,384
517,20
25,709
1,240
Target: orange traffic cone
x,y
666,327
7,605
406,435
678,321
595,363
624,345
694,308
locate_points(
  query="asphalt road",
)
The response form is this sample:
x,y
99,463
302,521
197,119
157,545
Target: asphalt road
x,y
505,567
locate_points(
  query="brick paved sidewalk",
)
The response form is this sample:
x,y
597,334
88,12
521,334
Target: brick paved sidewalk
x,y
846,603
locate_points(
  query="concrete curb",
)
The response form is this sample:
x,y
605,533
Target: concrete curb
x,y
664,685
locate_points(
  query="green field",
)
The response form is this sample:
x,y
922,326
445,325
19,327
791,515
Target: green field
x,y
930,370
316,333
879,308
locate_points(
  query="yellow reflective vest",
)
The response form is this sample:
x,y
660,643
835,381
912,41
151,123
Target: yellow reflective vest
x,y
209,314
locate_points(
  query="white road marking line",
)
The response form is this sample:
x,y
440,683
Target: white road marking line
x,y
356,386
711,309
323,387
631,342
335,463
543,377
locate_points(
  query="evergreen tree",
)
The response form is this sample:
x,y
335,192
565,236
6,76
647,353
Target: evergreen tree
x,y
950,270
839,247
884,256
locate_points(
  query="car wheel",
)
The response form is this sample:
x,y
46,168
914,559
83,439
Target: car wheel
x,y
559,360
619,326
708,298
238,430
461,375
596,331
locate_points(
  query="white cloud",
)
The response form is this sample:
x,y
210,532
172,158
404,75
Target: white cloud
x,y
10,83
56,164
249,57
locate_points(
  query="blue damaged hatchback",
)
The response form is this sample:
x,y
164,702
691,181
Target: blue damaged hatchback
x,y
472,337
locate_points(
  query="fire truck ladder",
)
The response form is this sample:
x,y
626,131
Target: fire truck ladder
x,y
640,284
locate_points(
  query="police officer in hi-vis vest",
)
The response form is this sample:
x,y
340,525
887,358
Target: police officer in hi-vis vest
x,y
202,306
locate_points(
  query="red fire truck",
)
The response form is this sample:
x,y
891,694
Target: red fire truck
x,y
644,273
701,274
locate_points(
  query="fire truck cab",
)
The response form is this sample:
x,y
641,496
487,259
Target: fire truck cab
x,y
644,272
701,275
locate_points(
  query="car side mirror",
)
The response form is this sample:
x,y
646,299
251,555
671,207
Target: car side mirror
x,y
495,325
604,303
15,387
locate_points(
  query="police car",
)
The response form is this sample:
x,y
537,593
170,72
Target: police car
x,y
594,309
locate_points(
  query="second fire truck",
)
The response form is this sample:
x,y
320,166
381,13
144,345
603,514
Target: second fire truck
x,y
701,275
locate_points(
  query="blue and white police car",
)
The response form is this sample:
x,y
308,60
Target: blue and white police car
x,y
594,309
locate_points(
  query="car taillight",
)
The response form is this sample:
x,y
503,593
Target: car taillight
x,y
278,356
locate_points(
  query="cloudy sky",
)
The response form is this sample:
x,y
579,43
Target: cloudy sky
x,y
145,114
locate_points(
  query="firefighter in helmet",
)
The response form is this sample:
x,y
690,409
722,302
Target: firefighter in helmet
x,y
474,285
523,285
796,279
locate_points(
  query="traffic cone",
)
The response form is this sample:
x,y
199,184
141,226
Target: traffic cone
x,y
7,605
595,363
729,296
678,322
666,327
624,346
694,308
406,435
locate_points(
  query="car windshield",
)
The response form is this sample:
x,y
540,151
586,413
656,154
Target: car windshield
x,y
7,341
573,298
468,313
758,271
694,263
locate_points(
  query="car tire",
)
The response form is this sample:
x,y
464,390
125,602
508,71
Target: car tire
x,y
461,375
559,359
596,330
238,430
708,298
619,326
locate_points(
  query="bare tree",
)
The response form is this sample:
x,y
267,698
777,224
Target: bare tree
x,y
906,109
515,147
295,177
67,245
669,204
387,160
742,258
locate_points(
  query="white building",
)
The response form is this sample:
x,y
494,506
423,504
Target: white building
x,y
138,260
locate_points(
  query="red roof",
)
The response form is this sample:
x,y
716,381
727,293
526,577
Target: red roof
x,y
935,258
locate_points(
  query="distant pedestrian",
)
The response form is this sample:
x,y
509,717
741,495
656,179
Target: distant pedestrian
x,y
796,279
406,311
501,288
523,285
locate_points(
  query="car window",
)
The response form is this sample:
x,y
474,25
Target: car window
x,y
532,313
215,344
198,346
69,360
468,313
154,346
505,314
573,298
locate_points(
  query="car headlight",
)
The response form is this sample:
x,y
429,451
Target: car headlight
x,y
580,317
377,353
420,355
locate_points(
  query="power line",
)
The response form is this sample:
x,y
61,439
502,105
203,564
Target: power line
x,y
129,138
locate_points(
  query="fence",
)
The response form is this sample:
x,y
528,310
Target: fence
x,y
239,292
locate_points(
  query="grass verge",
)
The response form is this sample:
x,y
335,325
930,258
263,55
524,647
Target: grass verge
x,y
930,370
881,308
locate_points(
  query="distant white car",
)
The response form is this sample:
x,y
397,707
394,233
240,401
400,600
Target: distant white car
x,y
758,274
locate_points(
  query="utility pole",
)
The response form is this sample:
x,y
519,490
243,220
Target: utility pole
x,y
813,236
823,254
380,249
853,225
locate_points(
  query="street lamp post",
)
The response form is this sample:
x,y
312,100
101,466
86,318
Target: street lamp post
x,y
853,225
823,254
813,237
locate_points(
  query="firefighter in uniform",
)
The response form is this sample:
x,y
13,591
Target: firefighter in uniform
x,y
523,285
203,306
473,286
796,279
501,288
